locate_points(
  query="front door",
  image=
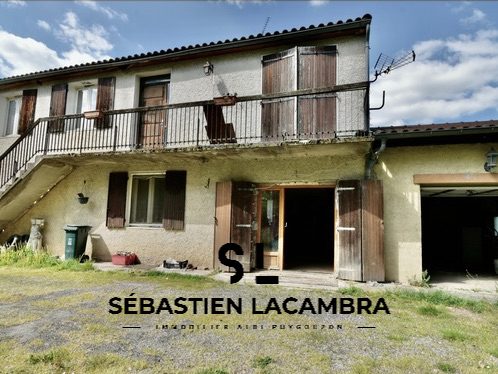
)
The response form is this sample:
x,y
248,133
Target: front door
x,y
153,92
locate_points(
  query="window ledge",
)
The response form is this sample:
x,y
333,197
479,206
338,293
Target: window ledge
x,y
145,226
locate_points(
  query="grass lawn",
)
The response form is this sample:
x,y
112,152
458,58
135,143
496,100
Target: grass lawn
x,y
55,320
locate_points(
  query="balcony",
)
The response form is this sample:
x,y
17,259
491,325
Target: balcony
x,y
300,116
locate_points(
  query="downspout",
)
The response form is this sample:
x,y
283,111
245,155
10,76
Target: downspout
x,y
367,103
373,157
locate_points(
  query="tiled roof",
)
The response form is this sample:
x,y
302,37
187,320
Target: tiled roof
x,y
427,130
190,48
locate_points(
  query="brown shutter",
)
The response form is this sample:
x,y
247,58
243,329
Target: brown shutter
x,y
234,216
373,231
317,113
279,76
217,130
222,219
360,230
58,106
242,217
116,200
105,99
28,106
349,229
174,200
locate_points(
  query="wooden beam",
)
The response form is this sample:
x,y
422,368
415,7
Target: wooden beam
x,y
482,179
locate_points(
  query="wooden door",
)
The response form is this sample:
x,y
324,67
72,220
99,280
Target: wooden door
x,y
153,92
360,230
234,215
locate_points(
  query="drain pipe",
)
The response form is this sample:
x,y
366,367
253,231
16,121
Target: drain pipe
x,y
373,157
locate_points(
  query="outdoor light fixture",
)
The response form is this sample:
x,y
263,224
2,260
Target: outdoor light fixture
x,y
208,68
491,157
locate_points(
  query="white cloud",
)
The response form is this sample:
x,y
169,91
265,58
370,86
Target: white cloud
x,y
110,13
13,3
317,3
86,41
23,55
477,16
44,25
20,55
450,78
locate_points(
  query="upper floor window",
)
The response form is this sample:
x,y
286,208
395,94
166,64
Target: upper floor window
x,y
86,99
305,117
13,111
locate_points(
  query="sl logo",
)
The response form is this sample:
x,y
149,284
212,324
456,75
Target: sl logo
x,y
239,269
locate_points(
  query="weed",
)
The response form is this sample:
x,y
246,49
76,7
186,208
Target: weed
x,y
27,257
496,287
454,335
263,362
351,290
446,368
58,358
422,282
212,371
494,352
430,310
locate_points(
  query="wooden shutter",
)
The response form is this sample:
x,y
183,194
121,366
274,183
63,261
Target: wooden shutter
x,y
222,220
317,113
279,75
28,106
116,199
373,230
349,229
234,216
217,130
241,221
360,230
174,200
105,100
58,107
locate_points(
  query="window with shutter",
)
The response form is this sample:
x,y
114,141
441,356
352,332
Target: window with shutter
x,y
312,116
105,100
58,107
28,106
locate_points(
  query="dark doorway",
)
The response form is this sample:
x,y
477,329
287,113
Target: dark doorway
x,y
458,234
309,229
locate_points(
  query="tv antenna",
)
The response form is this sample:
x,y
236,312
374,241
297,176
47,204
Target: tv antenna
x,y
266,24
386,64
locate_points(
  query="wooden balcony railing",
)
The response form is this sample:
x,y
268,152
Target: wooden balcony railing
x,y
297,116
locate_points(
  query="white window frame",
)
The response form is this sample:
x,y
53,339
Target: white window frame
x,y
17,100
132,198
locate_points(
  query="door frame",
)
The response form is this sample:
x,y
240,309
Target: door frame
x,y
281,214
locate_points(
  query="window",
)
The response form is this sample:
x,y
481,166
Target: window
x,y
147,199
86,100
13,111
152,199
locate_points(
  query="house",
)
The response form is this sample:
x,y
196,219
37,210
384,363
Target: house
x,y
261,141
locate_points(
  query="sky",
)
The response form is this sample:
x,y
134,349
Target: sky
x,y
454,77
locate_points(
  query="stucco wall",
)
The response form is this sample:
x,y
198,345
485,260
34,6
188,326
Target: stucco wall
x,y
195,243
402,212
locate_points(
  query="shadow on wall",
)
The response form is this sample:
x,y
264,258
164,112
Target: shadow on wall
x,y
100,251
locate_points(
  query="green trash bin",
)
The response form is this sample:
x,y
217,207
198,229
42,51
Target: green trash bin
x,y
76,240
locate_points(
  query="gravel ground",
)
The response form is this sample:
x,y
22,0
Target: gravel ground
x,y
75,314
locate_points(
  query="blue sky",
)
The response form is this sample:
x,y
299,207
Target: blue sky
x,y
455,76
